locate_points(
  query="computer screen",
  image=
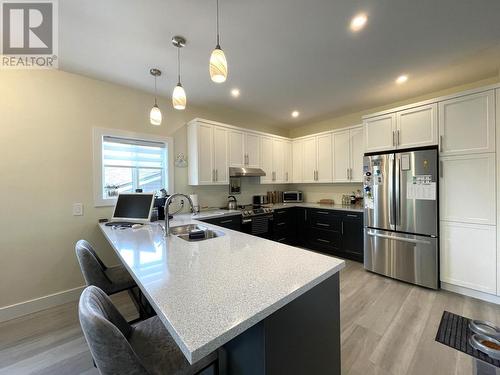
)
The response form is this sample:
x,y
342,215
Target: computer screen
x,y
134,207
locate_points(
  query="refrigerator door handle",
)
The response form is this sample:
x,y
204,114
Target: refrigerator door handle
x,y
392,223
397,178
402,239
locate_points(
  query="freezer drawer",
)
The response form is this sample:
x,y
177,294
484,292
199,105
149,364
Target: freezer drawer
x,y
404,257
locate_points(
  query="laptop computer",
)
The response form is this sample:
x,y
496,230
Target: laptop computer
x,y
132,208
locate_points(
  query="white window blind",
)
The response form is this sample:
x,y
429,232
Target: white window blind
x,y
130,164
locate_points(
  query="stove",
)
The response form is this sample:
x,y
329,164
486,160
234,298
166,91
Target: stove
x,y
257,220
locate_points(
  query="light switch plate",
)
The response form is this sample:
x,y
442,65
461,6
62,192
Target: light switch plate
x,y
77,209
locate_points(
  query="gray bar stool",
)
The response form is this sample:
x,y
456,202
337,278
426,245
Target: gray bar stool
x,y
110,279
145,348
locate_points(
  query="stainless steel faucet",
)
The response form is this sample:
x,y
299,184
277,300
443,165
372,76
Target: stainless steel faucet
x,y
167,204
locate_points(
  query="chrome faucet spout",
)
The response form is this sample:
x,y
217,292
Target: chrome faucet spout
x,y
167,204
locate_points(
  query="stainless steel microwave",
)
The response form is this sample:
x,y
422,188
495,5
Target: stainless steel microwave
x,y
292,197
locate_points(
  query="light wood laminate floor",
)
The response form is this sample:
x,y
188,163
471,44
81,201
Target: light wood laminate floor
x,y
388,327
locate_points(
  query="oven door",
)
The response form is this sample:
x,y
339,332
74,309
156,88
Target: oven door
x,y
260,226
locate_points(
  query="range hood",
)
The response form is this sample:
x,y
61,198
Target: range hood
x,y
245,172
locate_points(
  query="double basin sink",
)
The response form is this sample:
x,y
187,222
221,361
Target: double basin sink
x,y
194,232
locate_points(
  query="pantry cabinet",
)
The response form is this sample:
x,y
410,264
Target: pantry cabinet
x,y
413,127
208,153
348,155
468,256
467,124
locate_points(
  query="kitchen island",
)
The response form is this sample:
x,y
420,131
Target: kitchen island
x,y
273,307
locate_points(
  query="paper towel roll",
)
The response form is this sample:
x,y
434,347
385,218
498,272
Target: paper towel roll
x,y
194,199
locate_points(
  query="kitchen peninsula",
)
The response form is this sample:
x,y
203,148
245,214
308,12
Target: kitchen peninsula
x,y
274,308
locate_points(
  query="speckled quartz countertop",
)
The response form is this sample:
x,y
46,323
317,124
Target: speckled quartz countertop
x,y
208,292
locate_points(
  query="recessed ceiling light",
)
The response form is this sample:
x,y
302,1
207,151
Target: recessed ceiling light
x,y
358,22
295,114
402,79
235,92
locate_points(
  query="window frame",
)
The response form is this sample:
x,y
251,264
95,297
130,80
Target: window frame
x,y
98,135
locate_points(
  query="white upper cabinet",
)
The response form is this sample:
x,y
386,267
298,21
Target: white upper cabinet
x,y
288,172
468,256
266,157
416,127
237,156
341,153
467,124
208,152
279,160
221,159
356,153
297,158
380,133
309,158
348,149
252,150
324,165
468,188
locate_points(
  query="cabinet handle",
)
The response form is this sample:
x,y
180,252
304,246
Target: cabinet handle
x,y
322,240
286,176
226,221
281,239
323,224
322,212
441,172
347,172
350,173
305,215
399,138
349,215
216,176
393,138
213,175
342,227
440,143
281,224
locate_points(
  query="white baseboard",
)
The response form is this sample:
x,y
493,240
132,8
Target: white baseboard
x,y
38,304
471,293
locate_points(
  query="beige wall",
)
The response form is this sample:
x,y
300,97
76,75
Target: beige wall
x,y
46,120
355,118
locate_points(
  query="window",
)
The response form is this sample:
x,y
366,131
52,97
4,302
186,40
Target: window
x,y
126,162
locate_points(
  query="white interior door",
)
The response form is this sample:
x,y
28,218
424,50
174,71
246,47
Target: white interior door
x,y
221,159
468,256
417,127
236,149
467,124
379,133
297,158
324,167
206,169
266,146
467,188
341,156
309,159
357,151
252,150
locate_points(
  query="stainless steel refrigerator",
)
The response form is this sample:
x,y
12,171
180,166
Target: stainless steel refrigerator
x,y
401,215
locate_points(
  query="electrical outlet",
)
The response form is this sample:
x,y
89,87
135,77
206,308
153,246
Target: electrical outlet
x,y
77,209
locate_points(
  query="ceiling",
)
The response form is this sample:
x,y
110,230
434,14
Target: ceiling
x,y
285,54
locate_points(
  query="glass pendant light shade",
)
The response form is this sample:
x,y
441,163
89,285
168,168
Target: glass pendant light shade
x,y
218,65
155,116
179,97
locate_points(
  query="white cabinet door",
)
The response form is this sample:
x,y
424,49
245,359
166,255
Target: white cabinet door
x,y
297,158
221,162
357,152
324,166
252,150
417,127
467,124
341,151
205,140
279,160
380,132
288,175
467,188
309,159
237,156
266,147
468,256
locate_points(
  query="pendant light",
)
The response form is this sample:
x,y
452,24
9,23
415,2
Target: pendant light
x,y
155,114
218,62
179,95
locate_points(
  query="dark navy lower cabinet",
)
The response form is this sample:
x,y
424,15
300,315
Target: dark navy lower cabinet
x,y
229,222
